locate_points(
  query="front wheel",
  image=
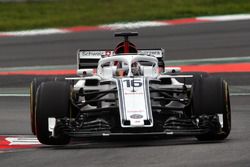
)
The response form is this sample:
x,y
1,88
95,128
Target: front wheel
x,y
53,100
211,97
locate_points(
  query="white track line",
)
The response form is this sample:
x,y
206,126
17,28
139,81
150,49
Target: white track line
x,y
24,68
239,94
14,95
225,17
36,32
131,25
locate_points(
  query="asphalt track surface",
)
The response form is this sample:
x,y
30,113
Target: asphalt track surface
x,y
206,40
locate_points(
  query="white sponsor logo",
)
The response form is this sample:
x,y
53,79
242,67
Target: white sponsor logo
x,y
157,53
95,54
136,116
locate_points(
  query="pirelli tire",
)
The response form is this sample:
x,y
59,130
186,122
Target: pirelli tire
x,y
53,100
211,97
34,85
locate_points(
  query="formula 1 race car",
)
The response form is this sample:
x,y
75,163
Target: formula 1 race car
x,y
129,92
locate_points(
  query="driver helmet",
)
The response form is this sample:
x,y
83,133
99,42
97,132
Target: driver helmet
x,y
135,69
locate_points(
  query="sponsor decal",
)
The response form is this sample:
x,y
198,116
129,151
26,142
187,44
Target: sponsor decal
x,y
136,116
156,53
92,53
95,54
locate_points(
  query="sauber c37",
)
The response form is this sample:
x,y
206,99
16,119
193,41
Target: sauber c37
x,y
129,92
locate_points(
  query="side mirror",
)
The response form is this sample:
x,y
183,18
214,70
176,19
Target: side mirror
x,y
172,70
86,72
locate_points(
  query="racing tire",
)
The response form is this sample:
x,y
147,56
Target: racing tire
x,y
34,85
211,97
53,100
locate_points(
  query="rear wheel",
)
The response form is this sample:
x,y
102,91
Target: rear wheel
x,y
52,101
211,97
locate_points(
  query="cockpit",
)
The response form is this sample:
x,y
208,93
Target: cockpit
x,y
128,66
122,69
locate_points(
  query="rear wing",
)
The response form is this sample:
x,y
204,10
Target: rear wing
x,y
87,60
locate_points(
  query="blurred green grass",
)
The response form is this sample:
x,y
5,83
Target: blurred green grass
x,y
65,13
